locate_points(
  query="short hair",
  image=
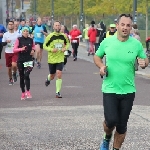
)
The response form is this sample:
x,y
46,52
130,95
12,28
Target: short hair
x,y
57,21
86,25
11,21
75,25
124,15
135,26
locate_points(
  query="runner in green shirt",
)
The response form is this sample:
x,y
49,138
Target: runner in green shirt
x,y
118,85
56,44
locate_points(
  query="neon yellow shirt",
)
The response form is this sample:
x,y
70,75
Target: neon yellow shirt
x,y
56,40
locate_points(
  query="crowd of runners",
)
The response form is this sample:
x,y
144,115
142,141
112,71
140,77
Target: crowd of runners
x,y
23,44
120,45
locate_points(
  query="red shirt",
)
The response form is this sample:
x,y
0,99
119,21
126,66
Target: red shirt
x,y
148,39
92,34
74,33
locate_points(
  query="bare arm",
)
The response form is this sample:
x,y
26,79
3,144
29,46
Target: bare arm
x,y
143,63
146,62
98,61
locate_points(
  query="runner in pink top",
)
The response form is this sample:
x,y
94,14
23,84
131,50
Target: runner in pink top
x,y
25,48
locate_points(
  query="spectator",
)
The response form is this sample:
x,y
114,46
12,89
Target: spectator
x,y
92,32
85,36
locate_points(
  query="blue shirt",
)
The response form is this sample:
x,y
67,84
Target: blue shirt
x,y
38,35
2,30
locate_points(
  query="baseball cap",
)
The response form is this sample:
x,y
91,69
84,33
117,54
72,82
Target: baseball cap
x,y
112,26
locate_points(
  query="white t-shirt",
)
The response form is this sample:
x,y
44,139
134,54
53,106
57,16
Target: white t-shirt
x,y
10,36
19,32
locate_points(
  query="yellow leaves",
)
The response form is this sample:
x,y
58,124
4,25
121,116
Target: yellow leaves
x,y
90,7
143,5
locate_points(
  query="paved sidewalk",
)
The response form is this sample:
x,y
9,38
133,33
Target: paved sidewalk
x,y
83,55
71,123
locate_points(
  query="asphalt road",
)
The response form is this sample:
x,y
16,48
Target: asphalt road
x,y
71,123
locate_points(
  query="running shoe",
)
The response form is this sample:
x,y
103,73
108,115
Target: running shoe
x,y
15,77
28,94
11,82
105,145
23,97
38,65
47,82
58,95
75,59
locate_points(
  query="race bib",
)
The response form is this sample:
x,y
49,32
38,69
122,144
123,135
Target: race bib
x,y
10,45
28,64
74,41
59,46
39,35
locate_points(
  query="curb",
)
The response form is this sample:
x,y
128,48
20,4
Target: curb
x,y
137,72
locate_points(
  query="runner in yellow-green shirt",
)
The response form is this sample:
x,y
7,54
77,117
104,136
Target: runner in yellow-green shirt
x,y
56,44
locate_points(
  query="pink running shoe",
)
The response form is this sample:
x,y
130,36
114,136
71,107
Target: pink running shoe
x,y
23,97
28,94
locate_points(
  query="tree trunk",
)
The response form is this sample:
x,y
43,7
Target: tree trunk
x,y
64,20
77,20
85,19
71,23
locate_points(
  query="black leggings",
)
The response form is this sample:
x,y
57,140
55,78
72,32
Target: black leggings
x,y
24,73
75,49
1,48
117,108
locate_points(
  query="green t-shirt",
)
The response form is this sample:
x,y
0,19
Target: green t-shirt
x,y
58,41
120,59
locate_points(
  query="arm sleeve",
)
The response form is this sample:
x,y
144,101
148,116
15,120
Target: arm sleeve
x,y
4,30
48,45
70,32
16,49
89,32
33,46
141,53
45,30
101,50
33,28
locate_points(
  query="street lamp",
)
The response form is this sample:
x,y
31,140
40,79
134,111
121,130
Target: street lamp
x,y
22,4
7,11
81,16
35,9
12,5
52,14
135,11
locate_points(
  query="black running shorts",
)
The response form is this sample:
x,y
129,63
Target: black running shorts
x,y
54,67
